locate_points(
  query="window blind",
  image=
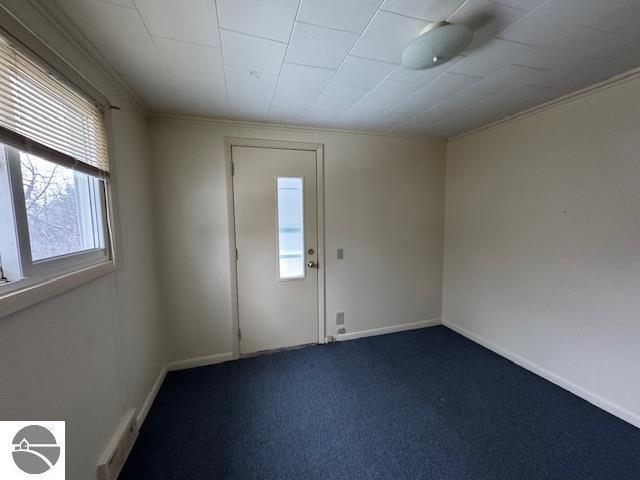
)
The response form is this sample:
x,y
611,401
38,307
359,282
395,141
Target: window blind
x,y
42,115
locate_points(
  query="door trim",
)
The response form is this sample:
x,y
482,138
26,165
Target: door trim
x,y
318,148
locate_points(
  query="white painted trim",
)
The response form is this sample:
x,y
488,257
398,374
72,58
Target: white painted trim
x,y
590,397
283,126
37,290
616,80
390,329
199,361
151,397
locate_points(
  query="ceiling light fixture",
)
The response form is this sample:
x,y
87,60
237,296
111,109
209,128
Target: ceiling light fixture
x,y
437,43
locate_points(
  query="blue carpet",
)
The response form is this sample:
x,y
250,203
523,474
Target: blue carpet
x,y
425,404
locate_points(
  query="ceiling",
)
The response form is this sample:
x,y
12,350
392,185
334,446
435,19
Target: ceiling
x,y
335,63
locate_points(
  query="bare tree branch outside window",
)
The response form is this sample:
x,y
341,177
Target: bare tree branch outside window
x,y
52,208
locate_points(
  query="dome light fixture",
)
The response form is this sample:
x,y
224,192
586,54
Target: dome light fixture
x,y
437,43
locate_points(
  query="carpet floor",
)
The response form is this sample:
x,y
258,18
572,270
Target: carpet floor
x,y
424,404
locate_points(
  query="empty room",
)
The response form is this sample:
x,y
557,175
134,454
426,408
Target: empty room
x,y
320,239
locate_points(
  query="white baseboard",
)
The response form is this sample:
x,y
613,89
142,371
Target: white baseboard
x,y
151,396
590,397
200,361
384,330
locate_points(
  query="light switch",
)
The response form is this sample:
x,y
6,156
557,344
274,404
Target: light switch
x,y
340,254
340,318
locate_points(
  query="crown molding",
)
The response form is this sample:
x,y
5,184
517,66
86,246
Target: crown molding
x,y
283,126
55,16
614,81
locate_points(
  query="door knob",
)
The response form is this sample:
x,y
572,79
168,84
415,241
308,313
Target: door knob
x,y
312,264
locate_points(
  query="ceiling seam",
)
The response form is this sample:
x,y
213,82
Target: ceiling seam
x,y
284,60
344,60
224,66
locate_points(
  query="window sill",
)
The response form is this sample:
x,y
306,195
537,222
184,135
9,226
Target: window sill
x,y
32,293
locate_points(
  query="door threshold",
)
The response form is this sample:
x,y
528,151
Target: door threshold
x,y
277,350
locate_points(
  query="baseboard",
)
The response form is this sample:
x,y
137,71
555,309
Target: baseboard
x,y
384,330
151,396
200,361
590,397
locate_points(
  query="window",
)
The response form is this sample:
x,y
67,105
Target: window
x,y
54,174
290,228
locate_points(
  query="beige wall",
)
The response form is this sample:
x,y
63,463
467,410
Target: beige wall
x,y
383,206
87,355
543,243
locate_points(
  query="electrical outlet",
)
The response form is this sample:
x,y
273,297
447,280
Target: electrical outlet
x,y
340,254
340,318
342,330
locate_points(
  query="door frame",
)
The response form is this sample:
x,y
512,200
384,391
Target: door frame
x,y
318,148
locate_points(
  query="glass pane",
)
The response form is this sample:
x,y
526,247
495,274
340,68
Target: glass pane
x,y
64,209
290,228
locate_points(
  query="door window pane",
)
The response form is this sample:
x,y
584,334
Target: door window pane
x,y
290,228
64,209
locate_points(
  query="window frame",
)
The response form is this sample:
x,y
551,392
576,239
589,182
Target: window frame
x,y
54,265
19,294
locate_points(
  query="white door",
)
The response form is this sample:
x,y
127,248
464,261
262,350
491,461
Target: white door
x,y
275,207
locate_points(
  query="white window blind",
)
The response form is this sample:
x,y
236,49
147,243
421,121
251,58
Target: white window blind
x,y
40,114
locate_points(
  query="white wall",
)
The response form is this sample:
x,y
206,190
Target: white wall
x,y
384,207
87,354
543,243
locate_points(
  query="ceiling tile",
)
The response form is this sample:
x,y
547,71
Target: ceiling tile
x,y
487,19
623,48
414,105
191,59
340,94
323,111
581,41
304,79
445,85
431,10
124,3
379,125
198,21
328,81
527,5
252,53
250,93
422,77
513,75
554,18
491,57
190,95
135,65
108,24
362,73
389,93
620,18
387,35
319,46
577,73
351,15
270,19
290,105
516,98
362,111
